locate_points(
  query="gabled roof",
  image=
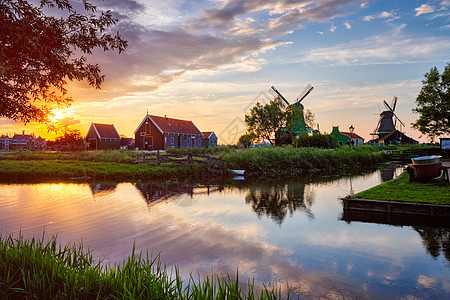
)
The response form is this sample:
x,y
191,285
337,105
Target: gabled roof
x,y
22,138
105,131
170,125
207,134
352,135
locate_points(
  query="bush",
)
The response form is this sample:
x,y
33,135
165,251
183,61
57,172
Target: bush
x,y
316,140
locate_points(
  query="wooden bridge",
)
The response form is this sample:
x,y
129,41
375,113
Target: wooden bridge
x,y
167,160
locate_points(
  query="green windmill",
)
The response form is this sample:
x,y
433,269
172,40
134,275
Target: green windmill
x,y
299,125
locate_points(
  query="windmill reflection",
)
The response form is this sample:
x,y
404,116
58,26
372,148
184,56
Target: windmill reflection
x,y
277,201
102,189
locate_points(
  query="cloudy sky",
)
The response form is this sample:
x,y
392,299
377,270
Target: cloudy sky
x,y
210,61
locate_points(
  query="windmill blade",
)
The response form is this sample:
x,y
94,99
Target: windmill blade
x,y
398,119
274,92
387,105
305,93
394,103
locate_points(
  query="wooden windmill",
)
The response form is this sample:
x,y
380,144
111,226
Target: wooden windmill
x,y
388,120
300,125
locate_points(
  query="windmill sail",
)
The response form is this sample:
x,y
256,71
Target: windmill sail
x,y
274,92
305,93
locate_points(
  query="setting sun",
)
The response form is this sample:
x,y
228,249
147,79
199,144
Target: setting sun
x,y
60,113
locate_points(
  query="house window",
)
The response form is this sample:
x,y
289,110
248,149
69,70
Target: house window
x,y
165,140
142,133
171,140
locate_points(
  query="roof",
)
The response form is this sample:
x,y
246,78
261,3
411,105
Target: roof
x,y
352,135
23,137
206,134
170,125
106,131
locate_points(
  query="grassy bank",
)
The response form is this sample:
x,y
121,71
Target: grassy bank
x,y
38,269
66,169
118,165
400,189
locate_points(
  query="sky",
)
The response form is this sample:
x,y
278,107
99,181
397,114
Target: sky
x,y
211,61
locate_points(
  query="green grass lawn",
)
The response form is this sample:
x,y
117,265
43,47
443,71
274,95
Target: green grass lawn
x,y
401,189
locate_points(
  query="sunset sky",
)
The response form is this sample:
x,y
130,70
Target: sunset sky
x,y
210,61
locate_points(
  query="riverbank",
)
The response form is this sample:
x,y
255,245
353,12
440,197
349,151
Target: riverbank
x,y
41,269
400,189
119,165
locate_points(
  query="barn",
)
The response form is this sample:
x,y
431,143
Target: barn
x,y
161,133
102,137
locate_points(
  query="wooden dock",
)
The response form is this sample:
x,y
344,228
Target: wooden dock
x,y
396,207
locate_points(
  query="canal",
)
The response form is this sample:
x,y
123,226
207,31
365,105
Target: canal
x,y
290,231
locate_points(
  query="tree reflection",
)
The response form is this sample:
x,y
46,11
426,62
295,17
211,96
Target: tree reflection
x,y
434,230
277,201
435,240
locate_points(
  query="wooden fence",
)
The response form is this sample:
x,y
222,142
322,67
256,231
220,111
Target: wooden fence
x,y
213,164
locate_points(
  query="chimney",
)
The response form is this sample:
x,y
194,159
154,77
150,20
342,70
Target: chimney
x,y
23,132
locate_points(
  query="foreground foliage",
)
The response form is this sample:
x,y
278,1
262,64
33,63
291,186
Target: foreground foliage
x,y
40,52
400,189
39,269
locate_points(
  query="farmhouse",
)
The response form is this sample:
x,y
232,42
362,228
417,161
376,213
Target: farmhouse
x,y
23,142
161,133
102,137
355,138
209,139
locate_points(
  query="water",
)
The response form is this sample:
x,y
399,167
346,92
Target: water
x,y
288,231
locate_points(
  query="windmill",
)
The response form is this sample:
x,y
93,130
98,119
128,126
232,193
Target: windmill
x,y
300,125
388,120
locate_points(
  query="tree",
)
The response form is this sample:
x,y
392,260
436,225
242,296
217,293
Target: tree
x,y
433,104
247,139
39,53
72,140
263,121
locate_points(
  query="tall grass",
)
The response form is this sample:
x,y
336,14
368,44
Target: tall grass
x,y
39,269
275,161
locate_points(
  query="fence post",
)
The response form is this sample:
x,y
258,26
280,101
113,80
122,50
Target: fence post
x,y
190,164
158,162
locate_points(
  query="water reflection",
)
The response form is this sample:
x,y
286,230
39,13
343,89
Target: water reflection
x,y
390,171
102,189
288,231
279,201
434,231
154,193
435,240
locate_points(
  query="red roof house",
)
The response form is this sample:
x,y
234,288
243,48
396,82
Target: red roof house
x,y
102,137
356,139
161,133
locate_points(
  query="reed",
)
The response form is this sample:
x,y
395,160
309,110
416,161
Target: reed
x,y
275,161
43,269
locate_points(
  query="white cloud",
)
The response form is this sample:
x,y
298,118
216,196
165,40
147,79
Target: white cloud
x,y
333,28
390,16
424,9
389,47
347,25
